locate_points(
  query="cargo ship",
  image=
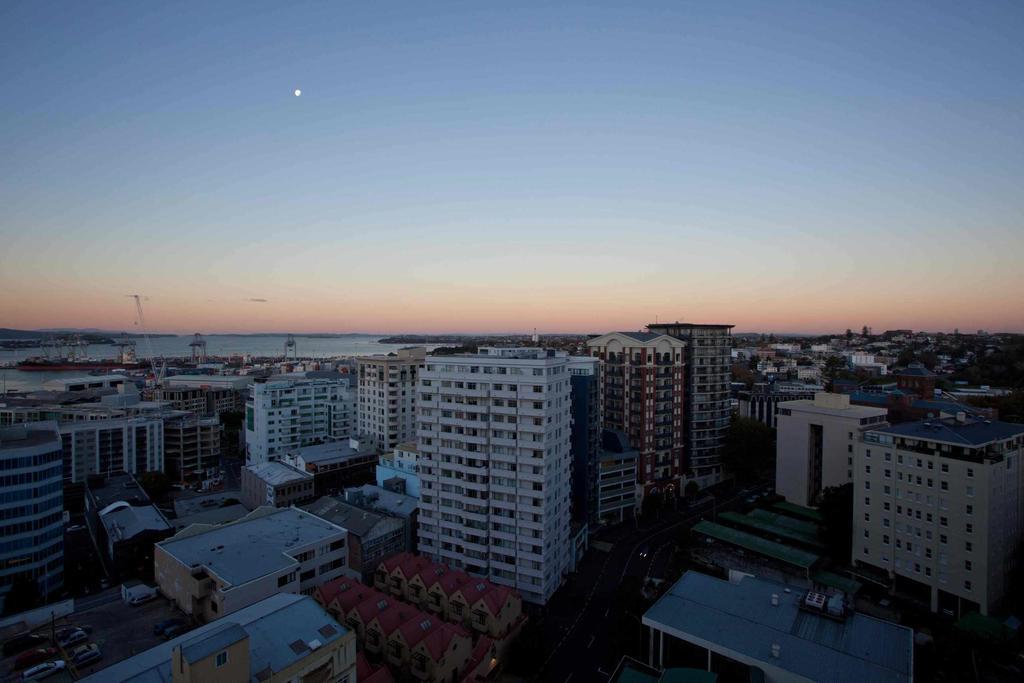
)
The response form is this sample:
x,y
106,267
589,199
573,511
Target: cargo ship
x,y
40,364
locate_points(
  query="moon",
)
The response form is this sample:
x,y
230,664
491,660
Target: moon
x,y
297,92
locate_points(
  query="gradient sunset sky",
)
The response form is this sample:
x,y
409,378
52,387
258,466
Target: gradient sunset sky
x,y
474,166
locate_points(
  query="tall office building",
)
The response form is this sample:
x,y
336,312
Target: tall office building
x,y
585,380
283,415
387,397
494,463
708,408
31,506
191,446
938,508
643,382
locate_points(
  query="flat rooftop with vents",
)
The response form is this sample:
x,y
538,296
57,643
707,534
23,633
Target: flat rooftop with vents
x,y
777,632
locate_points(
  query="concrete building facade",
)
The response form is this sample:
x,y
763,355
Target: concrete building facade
x,y
814,447
493,439
939,509
284,415
387,397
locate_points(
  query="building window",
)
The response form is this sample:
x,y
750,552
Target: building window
x,y
967,585
222,658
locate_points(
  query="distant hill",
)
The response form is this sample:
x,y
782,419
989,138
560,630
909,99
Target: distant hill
x,y
8,333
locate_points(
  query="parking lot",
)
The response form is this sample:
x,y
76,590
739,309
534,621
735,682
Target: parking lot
x,y
120,631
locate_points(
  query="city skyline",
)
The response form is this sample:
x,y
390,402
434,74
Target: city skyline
x,y
793,168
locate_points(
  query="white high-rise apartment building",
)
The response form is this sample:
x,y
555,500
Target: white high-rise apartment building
x,y
494,464
282,415
938,508
387,397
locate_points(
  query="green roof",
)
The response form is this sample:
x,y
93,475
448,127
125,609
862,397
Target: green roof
x,y
843,583
761,546
687,676
785,507
984,628
777,519
772,529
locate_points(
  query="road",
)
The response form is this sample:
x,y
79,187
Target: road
x,y
583,618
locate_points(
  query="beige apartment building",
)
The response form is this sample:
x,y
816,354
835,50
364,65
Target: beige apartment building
x,y
814,447
283,638
939,509
386,409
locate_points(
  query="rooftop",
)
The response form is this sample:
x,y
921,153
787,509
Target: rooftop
x,y
124,521
260,543
739,617
263,622
354,519
333,451
761,546
378,498
277,473
972,431
29,436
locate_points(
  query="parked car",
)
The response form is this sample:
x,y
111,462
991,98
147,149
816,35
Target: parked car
x,y
162,626
175,631
86,654
72,637
44,670
22,643
35,656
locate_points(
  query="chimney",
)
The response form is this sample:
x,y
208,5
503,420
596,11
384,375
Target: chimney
x,y
775,599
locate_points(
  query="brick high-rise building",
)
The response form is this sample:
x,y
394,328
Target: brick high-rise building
x,y
708,407
643,382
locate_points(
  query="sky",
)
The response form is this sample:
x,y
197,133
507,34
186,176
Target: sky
x,y
485,167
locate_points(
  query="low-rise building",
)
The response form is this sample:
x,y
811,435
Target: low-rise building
x,y
413,643
280,639
478,604
275,484
401,466
753,629
334,465
211,571
761,402
372,536
124,524
939,509
815,443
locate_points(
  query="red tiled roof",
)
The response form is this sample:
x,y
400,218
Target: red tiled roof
x,y
438,640
496,598
396,560
415,630
396,615
381,675
375,603
330,590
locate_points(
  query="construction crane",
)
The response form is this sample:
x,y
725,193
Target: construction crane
x,y
159,375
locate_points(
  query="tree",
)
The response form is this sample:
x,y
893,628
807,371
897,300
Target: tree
x,y
834,368
526,654
865,331
23,596
836,508
849,336
749,450
692,489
